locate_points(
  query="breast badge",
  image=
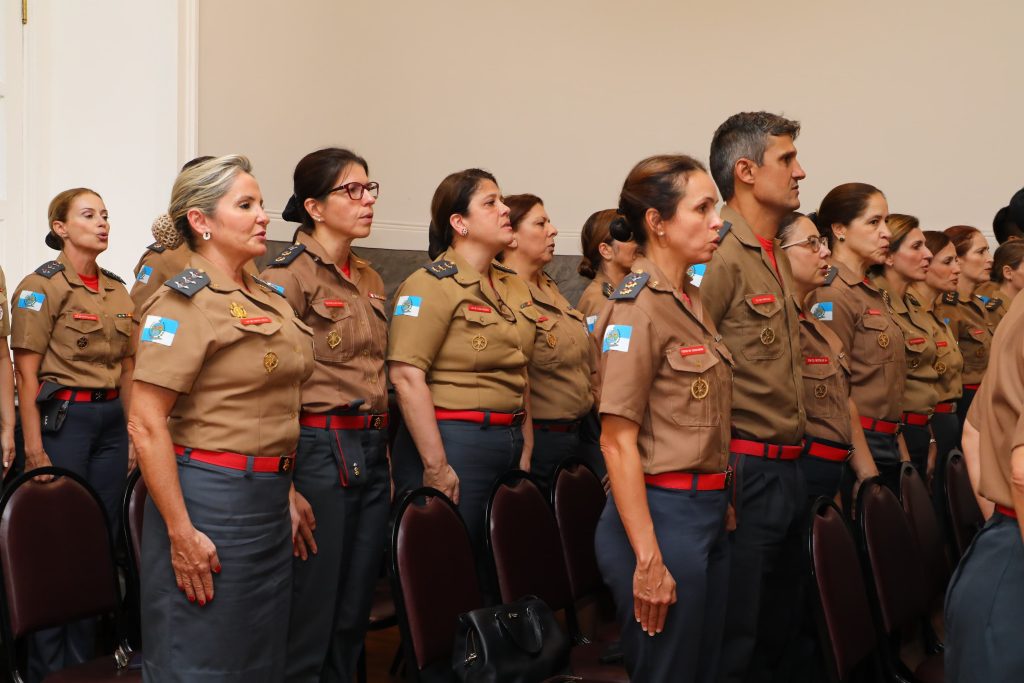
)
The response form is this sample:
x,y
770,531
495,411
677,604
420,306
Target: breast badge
x,y
820,391
699,388
767,336
333,339
940,367
479,342
883,340
552,340
270,362
82,342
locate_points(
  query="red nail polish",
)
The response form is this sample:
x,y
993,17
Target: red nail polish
x,y
202,603
216,570
191,598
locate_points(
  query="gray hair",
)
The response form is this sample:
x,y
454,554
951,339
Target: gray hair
x,y
744,136
201,187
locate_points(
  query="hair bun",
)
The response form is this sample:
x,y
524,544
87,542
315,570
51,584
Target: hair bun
x,y
165,233
294,211
54,241
620,230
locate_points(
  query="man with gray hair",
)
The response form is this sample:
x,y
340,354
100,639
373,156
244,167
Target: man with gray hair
x,y
748,293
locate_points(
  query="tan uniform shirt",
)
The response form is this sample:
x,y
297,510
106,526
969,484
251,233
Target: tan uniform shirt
x,y
594,298
82,335
998,408
559,369
973,328
754,311
949,362
921,392
472,339
5,313
826,372
236,356
855,310
996,304
157,265
349,323
664,367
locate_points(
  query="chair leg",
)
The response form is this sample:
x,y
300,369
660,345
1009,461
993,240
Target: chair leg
x,y
361,665
396,662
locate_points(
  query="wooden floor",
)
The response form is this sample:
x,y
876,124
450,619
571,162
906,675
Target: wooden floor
x,y
381,647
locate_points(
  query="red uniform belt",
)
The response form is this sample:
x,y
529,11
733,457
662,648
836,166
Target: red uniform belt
x,y
764,450
367,421
237,461
916,419
86,395
972,387
883,426
688,481
485,417
1009,512
823,451
947,407
556,426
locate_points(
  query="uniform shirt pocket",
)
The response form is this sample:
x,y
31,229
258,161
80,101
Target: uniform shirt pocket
x,y
764,328
877,345
823,388
83,336
915,346
695,402
546,351
333,340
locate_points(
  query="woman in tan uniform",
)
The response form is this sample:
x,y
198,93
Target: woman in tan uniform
x,y
853,218
665,405
833,435
220,362
908,263
341,480
461,337
605,260
967,313
943,276
560,396
1008,274
71,334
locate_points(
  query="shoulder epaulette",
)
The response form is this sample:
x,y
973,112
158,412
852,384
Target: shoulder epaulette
x,y
188,282
913,300
724,230
287,256
831,275
993,304
269,286
950,297
503,268
49,269
157,248
631,286
441,269
607,288
112,276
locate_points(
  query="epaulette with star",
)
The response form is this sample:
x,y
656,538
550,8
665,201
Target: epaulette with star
x,y
630,287
112,276
912,300
269,286
157,248
287,256
441,269
49,269
950,298
188,282
831,275
607,288
503,268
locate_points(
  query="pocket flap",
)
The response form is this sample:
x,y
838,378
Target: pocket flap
x,y
480,314
332,309
258,324
818,367
697,358
83,322
766,304
875,321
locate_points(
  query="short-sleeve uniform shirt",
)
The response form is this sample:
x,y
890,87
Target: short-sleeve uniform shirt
x,y
973,328
663,366
349,321
921,392
594,297
236,355
157,265
82,335
949,362
826,373
471,333
854,309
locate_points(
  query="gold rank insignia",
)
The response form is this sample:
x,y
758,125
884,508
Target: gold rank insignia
x,y
883,340
767,336
479,342
270,362
820,391
333,339
940,367
236,310
82,342
699,388
552,340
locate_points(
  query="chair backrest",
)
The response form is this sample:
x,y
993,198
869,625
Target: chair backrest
x,y
893,558
132,508
433,573
924,524
523,538
55,553
964,515
578,499
842,595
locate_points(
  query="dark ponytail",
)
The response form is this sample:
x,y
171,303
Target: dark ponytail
x,y
595,232
451,197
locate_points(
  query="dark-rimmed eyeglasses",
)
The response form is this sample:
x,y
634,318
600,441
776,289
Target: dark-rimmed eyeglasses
x,y
355,190
814,243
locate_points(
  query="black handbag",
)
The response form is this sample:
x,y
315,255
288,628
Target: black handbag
x,y
515,643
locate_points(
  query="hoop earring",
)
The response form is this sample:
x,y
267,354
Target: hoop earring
x,y
206,235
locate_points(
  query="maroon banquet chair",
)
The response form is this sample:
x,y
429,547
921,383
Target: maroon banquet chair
x,y
920,511
58,566
963,515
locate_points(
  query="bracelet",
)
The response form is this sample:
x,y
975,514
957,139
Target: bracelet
x,y
931,441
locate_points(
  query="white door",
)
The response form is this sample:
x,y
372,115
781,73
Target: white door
x,y
12,142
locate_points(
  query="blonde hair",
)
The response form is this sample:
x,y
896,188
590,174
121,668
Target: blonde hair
x,y
201,187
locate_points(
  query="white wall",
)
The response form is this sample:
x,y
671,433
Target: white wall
x,y
920,97
101,112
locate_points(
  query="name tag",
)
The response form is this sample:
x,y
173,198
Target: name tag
x,y
691,350
255,321
915,341
763,299
479,309
942,344
542,319
977,332
816,360
874,311
86,316
334,303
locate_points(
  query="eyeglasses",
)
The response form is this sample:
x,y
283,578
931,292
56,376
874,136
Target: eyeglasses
x,y
355,190
814,243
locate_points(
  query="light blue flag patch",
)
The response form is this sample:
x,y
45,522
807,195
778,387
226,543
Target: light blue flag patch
x,y
33,301
144,273
276,287
616,338
591,319
985,299
408,305
159,330
696,273
822,310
